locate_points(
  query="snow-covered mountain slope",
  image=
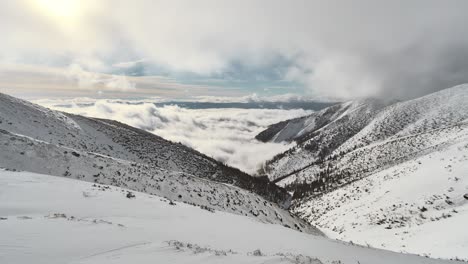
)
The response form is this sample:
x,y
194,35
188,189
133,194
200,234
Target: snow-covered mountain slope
x,y
419,206
120,141
326,119
434,111
391,135
333,125
367,124
47,219
40,140
341,168
376,186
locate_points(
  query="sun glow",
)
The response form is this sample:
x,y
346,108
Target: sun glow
x,y
65,11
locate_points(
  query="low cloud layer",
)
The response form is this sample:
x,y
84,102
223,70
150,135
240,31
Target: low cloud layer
x,y
224,134
337,49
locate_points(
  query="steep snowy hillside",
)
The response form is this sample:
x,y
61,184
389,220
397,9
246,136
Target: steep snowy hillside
x,y
344,151
317,135
434,111
103,151
46,219
298,128
120,141
419,206
394,183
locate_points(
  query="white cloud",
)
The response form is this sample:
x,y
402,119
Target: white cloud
x,y
224,134
90,80
288,97
34,81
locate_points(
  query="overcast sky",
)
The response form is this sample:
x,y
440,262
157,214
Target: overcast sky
x,y
325,49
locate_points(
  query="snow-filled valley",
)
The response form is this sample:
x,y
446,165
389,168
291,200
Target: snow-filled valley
x,y
48,219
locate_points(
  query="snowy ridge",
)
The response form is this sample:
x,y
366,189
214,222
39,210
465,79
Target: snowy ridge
x,y
9,104
438,110
296,129
333,125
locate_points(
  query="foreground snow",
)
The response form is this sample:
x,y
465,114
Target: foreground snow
x,y
47,219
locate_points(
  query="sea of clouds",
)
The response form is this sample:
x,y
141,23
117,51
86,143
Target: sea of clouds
x,y
226,134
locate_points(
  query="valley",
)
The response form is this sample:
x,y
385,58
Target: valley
x,y
387,175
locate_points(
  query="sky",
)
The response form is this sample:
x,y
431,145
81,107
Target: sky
x,y
328,50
